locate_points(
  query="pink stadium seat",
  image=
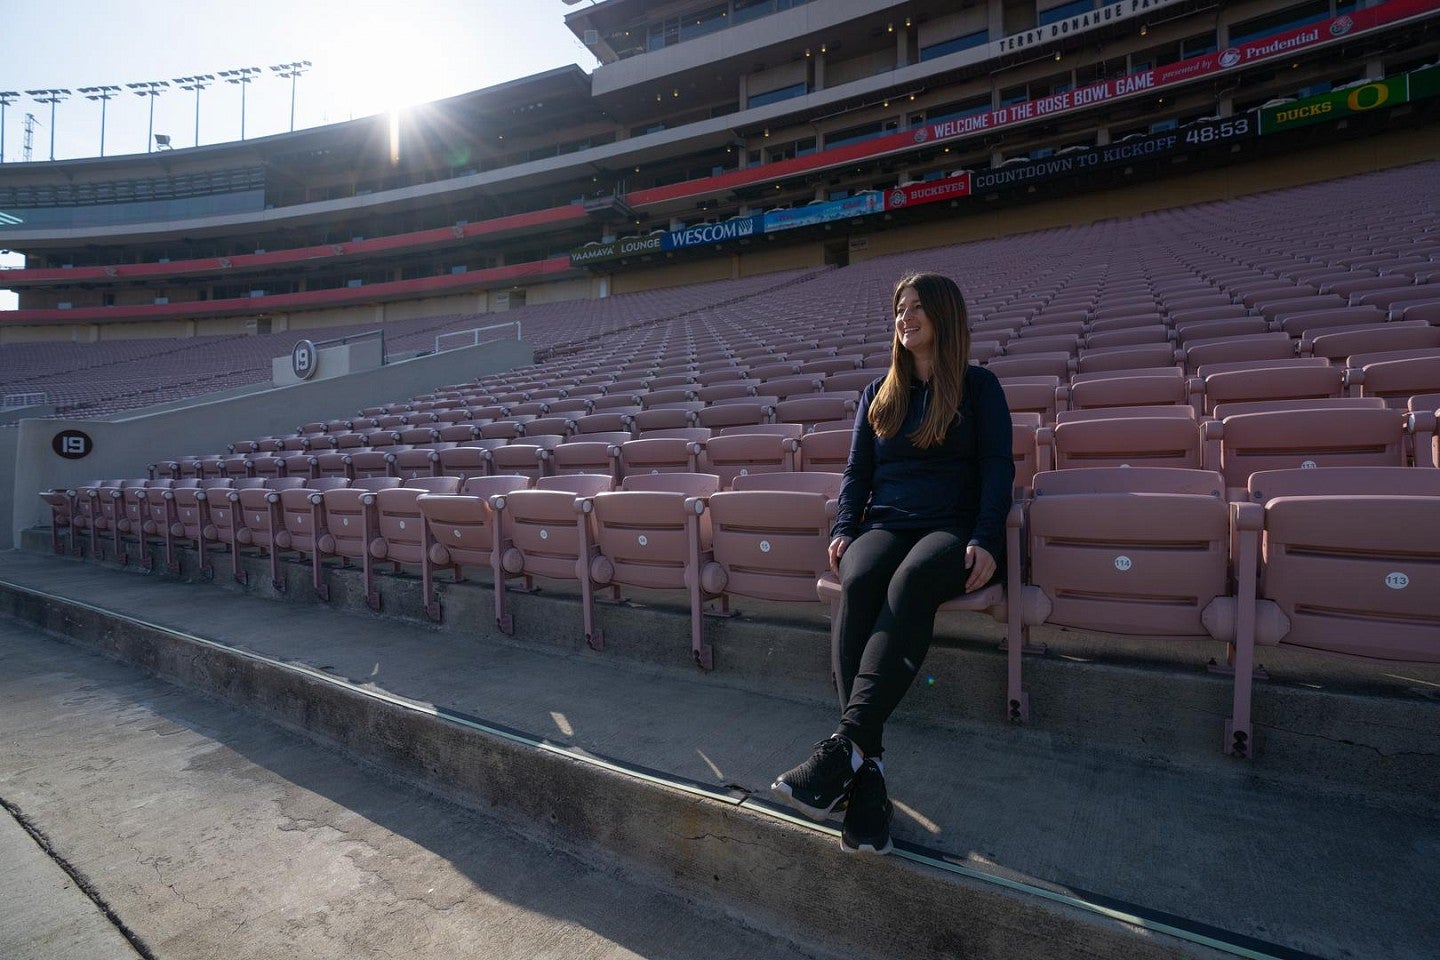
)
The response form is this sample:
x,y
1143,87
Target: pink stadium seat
x,y
1390,336
1273,383
302,520
543,536
1126,358
1241,444
825,451
463,532
1033,365
810,411
61,510
257,520
724,415
400,534
348,526
733,455
469,459
588,453
646,534
1396,380
1264,346
1128,391
1140,551
1126,441
1042,395
1341,574
766,544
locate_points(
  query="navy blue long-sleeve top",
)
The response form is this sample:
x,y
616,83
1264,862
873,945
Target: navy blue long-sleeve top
x,y
965,482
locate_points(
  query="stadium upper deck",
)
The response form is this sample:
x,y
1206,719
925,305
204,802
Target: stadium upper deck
x,y
707,124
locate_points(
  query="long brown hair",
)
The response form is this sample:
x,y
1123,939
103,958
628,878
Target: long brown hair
x,y
945,307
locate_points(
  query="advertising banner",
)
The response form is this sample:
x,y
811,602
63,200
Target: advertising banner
x,y
615,249
1334,105
1138,150
814,213
1423,83
710,233
930,191
1275,45
1104,16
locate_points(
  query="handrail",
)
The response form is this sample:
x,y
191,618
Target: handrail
x,y
474,334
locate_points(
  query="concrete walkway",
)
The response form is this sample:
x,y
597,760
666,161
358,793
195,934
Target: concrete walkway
x,y
211,835
1297,865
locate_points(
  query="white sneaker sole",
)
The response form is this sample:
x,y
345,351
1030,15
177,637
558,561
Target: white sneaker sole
x,y
781,789
866,848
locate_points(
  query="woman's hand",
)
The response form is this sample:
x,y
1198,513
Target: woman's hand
x,y
977,560
837,550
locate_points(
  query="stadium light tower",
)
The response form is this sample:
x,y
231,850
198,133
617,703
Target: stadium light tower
x,y
103,94
291,72
196,83
241,76
51,97
151,89
7,97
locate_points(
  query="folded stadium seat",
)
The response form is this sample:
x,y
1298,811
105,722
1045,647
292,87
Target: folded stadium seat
x,y
549,426
766,544
1042,395
1058,365
111,515
1130,336
1395,380
378,439
1224,410
1273,292
741,412
302,521
646,534
462,432
420,461
1124,437
528,456
400,534
347,527
243,447
1239,444
1198,314
461,532
1041,328
1428,311
761,371
656,398
1356,282
840,363
811,353
419,435
267,466
1342,574
256,512
786,387
981,351
729,390
542,533
1398,299
1128,391
825,451
391,421
735,454
1268,383
86,515
527,410
1318,322
662,454
608,422
156,516
811,411
597,453
858,379
314,426
61,513
1068,345
237,466
1127,358
1260,346
671,416
724,374
1191,332
1398,335
222,507
1167,532
374,461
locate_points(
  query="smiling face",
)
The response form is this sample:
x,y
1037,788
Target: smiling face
x,y
913,329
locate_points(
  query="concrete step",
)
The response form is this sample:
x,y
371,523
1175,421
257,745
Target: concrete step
x,y
1016,840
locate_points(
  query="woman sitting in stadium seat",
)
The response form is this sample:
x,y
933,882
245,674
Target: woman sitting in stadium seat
x,y
922,510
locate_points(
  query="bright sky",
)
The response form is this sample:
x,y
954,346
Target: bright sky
x,y
368,56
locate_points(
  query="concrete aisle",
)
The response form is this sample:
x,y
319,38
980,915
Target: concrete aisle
x,y
210,835
44,915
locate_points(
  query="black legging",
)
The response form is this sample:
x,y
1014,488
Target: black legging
x,y
892,581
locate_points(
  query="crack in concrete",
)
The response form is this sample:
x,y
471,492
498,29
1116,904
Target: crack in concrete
x,y
1312,735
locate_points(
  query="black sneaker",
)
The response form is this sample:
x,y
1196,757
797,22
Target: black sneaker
x,y
867,818
820,783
